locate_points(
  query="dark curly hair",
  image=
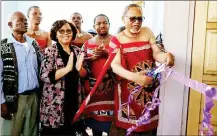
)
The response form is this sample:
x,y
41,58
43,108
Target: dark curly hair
x,y
59,24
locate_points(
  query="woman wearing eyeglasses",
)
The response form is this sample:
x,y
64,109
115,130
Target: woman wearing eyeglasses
x,y
135,53
60,72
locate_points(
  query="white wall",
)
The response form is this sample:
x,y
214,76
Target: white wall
x,y
154,15
8,7
178,31
54,10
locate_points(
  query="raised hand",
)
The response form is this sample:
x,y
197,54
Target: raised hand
x,y
69,65
79,62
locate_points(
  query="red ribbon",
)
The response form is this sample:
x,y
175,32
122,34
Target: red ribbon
x,y
98,81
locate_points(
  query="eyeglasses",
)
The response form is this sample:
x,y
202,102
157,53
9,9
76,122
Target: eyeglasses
x,y
133,19
62,31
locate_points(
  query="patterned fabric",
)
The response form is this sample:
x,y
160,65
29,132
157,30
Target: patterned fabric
x,y
10,69
135,57
10,75
52,102
101,105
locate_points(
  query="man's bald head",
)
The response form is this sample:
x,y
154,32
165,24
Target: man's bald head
x,y
18,22
15,15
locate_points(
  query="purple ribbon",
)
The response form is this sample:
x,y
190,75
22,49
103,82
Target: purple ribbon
x,y
145,118
209,92
151,73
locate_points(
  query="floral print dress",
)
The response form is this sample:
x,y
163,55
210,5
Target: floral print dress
x,y
59,101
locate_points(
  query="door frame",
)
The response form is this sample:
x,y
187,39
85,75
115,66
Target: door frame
x,y
178,37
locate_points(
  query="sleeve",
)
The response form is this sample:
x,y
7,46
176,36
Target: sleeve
x,y
47,72
1,81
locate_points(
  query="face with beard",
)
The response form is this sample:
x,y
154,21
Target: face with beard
x,y
18,23
35,16
101,25
133,20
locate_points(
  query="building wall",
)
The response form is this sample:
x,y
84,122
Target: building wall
x,y
154,15
175,20
178,31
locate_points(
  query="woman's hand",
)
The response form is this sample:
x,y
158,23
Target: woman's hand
x,y
169,59
69,65
79,62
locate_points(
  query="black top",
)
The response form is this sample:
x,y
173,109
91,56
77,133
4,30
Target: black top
x,y
71,87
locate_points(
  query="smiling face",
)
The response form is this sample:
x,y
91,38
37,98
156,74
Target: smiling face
x,y
64,34
101,25
35,16
133,19
18,23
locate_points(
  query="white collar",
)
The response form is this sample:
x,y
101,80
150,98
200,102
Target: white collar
x,y
11,39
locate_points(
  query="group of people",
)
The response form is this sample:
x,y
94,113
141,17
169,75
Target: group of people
x,y
44,84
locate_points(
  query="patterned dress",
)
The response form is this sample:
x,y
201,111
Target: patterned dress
x,y
135,57
60,98
100,110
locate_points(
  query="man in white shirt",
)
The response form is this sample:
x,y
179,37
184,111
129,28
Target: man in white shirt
x,y
20,59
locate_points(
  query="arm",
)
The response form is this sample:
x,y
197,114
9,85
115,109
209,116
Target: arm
x,y
61,72
135,77
48,73
158,54
161,56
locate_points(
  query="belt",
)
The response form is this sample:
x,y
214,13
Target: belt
x,y
29,92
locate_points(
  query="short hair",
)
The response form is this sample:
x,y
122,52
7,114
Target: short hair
x,y
59,24
30,8
78,14
128,7
101,15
